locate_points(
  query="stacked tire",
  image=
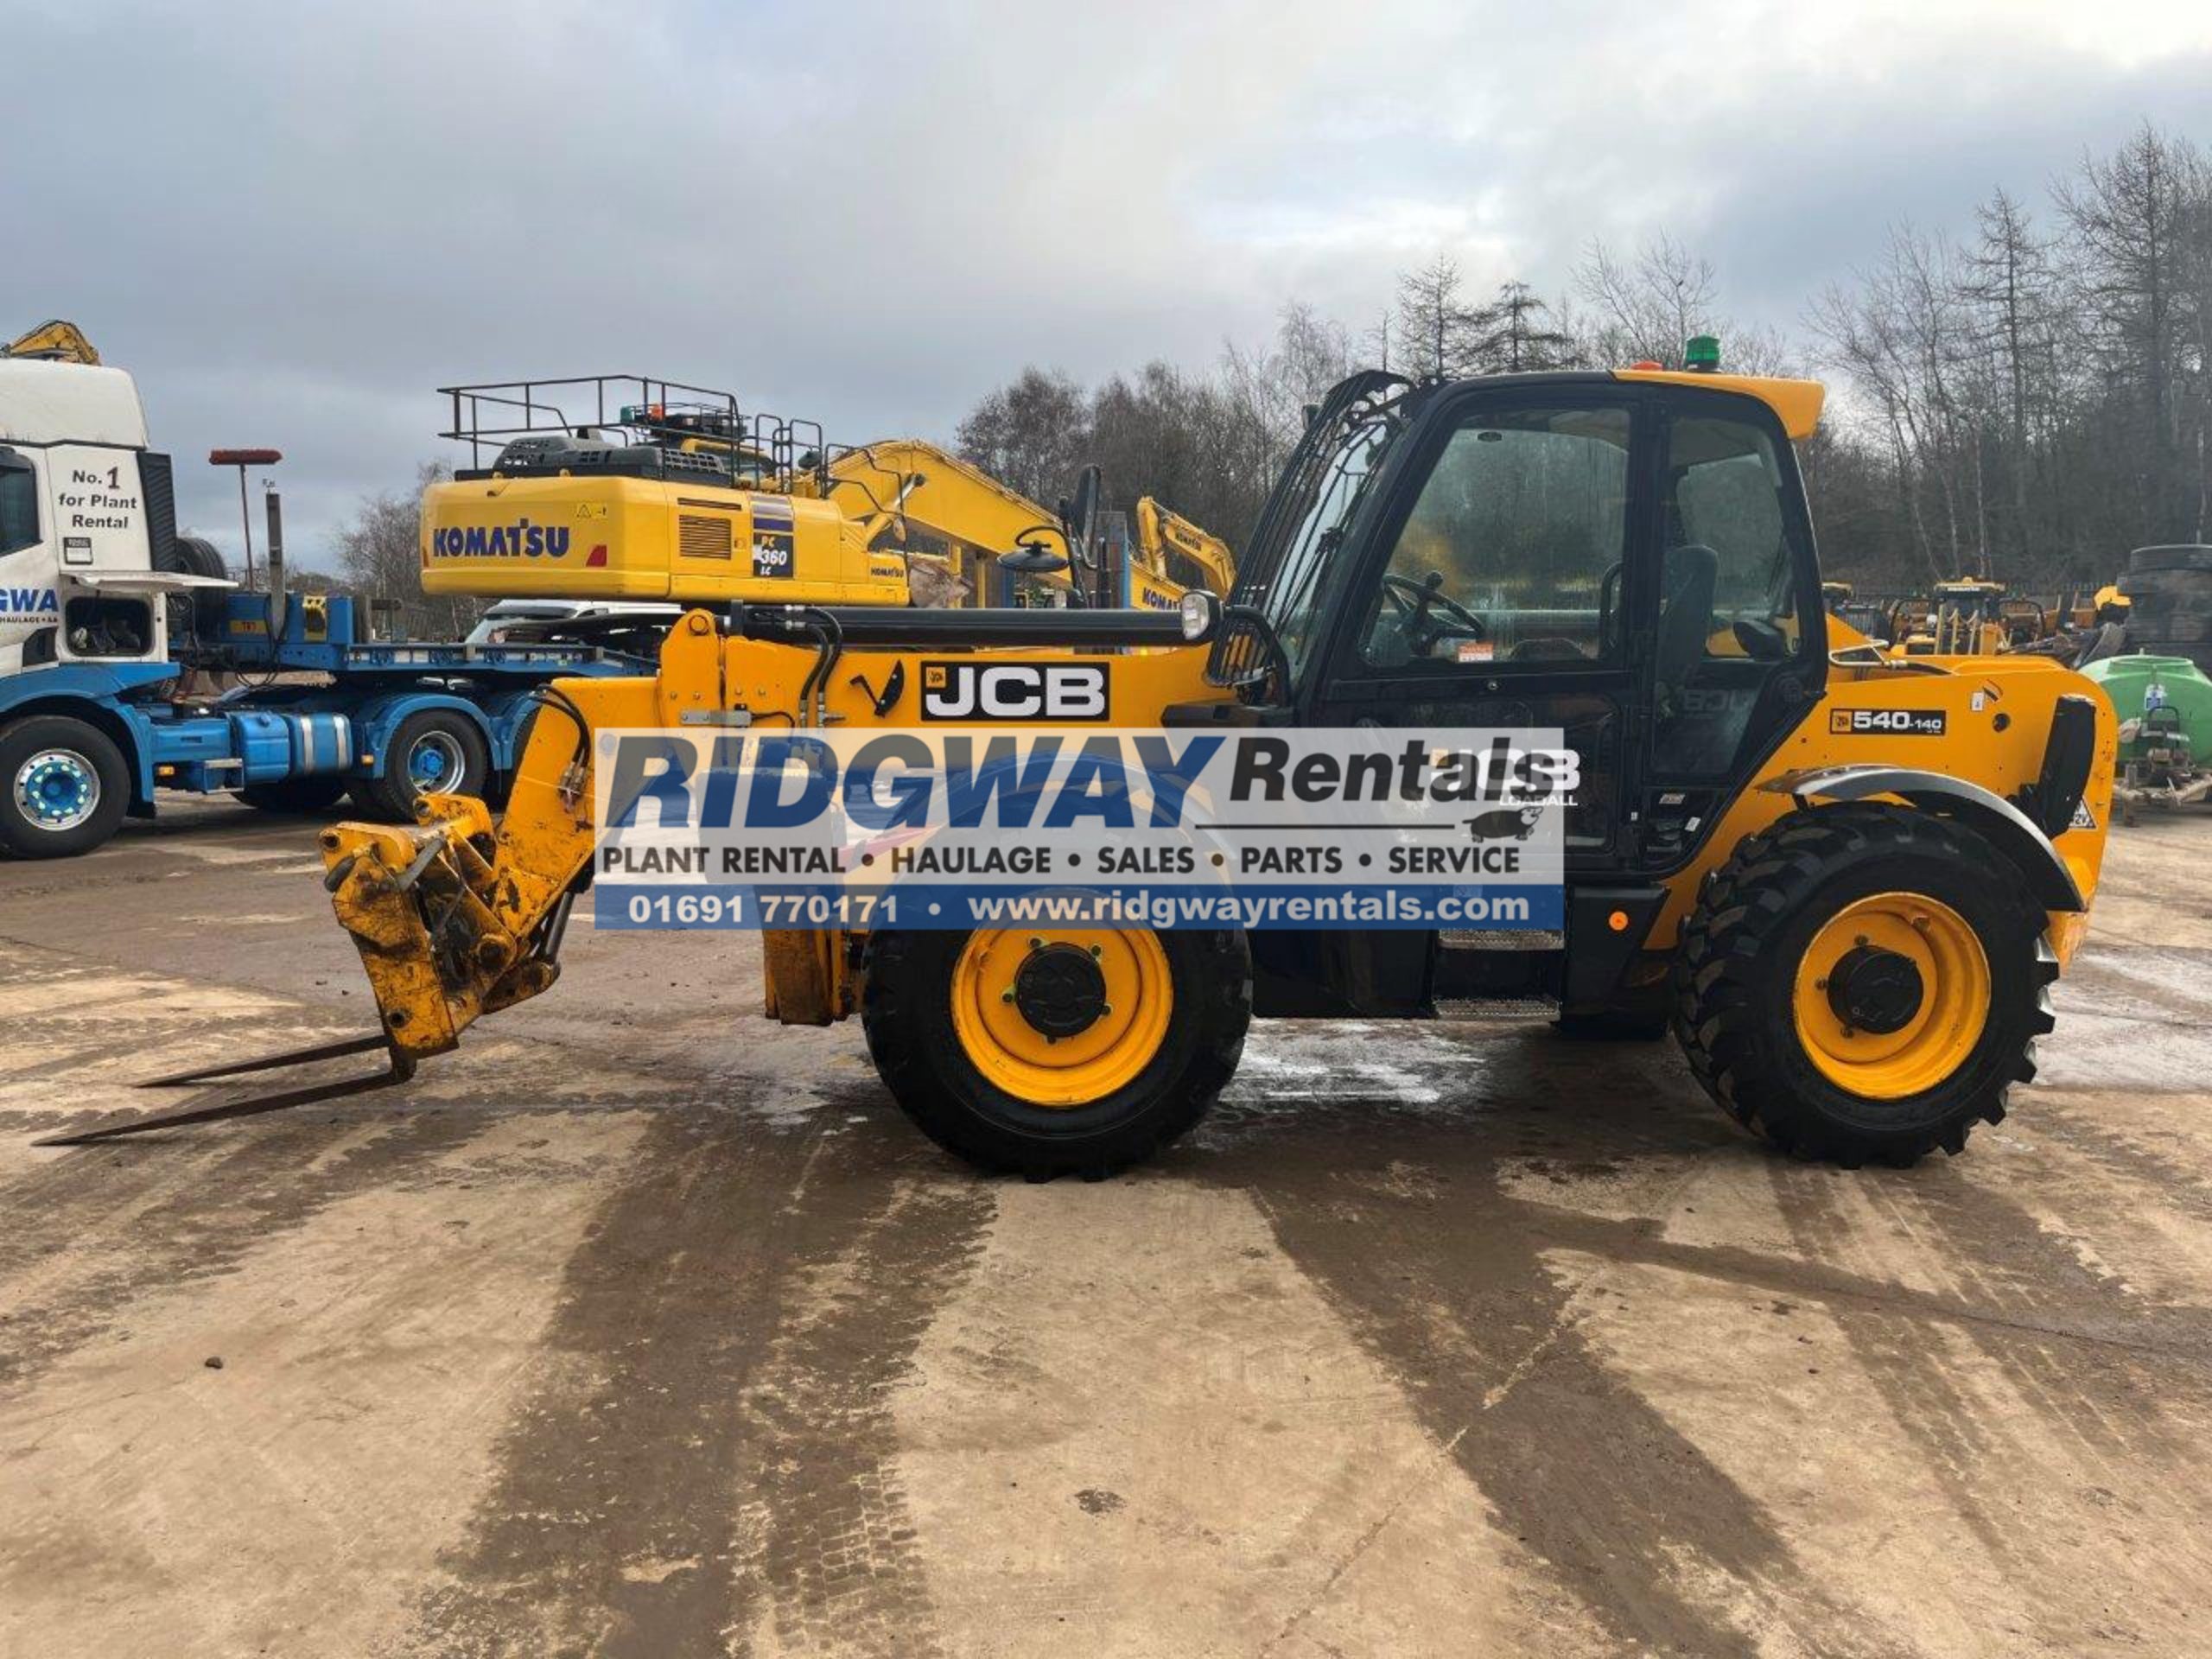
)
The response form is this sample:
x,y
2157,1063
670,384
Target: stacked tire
x,y
2170,590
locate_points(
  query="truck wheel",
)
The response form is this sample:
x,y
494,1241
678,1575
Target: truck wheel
x,y
1863,982
438,751
1055,1051
295,796
66,787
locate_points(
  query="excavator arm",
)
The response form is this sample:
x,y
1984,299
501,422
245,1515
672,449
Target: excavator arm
x,y
1160,532
928,503
55,341
919,498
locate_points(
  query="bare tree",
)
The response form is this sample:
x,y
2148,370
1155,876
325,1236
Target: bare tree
x,y
2010,281
1514,334
2022,405
2196,227
379,557
1432,320
1033,433
1308,355
2131,215
1901,340
1378,341
1648,306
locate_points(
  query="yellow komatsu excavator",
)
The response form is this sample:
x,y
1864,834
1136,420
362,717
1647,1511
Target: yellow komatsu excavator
x,y
1178,556
667,492
1845,881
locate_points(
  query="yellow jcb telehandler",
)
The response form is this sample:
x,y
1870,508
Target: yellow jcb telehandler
x,y
1845,880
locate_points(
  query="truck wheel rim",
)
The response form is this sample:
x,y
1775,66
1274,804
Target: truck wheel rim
x,y
1891,939
1014,989
436,764
57,789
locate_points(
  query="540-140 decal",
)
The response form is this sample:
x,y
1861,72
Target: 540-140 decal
x,y
1887,722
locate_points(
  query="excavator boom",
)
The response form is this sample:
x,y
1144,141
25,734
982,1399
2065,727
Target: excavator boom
x,y
1164,536
56,341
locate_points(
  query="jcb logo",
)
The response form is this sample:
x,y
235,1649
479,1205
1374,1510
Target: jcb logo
x,y
1013,692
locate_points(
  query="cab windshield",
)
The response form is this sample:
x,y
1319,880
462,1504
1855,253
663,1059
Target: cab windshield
x,y
1329,476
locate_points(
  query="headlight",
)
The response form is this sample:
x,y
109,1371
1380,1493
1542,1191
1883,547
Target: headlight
x,y
1200,610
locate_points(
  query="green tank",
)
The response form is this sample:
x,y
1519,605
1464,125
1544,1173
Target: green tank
x,y
2181,686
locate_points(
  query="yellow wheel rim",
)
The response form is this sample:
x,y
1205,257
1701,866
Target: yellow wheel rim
x,y
1941,1032
1012,1054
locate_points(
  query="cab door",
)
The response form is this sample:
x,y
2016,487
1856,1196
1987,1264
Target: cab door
x,y
1740,651
29,605
1504,584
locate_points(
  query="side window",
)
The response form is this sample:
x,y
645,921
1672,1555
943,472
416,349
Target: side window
x,y
1513,551
18,503
1728,614
1723,509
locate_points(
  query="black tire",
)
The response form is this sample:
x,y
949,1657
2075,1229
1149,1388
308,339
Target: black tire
x,y
86,758
907,1012
204,610
391,797
1736,972
2170,558
2167,596
296,796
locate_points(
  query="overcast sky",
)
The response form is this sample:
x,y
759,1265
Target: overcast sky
x,y
292,222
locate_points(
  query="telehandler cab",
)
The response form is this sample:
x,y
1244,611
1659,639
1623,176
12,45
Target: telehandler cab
x,y
1845,881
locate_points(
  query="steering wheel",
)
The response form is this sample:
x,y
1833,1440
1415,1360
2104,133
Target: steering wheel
x,y
1414,601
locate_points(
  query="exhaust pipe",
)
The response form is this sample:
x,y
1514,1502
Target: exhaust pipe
x,y
275,506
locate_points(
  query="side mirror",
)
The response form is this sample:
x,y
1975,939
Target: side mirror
x,y
1081,515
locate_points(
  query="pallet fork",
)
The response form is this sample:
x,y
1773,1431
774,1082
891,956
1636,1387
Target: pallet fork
x,y
401,1069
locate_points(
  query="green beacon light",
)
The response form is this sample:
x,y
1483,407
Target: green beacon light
x,y
1701,355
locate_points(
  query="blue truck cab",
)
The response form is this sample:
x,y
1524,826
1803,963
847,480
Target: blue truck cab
x,y
130,665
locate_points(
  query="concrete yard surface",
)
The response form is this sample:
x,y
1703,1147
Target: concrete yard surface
x,y
643,1327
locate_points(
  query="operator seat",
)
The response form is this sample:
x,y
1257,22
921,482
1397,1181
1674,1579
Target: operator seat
x,y
1689,576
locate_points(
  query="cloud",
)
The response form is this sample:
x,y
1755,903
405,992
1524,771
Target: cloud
x,y
293,222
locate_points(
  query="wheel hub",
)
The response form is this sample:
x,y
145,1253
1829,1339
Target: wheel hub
x,y
1891,996
1062,1022
1059,990
434,764
57,790
1875,991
